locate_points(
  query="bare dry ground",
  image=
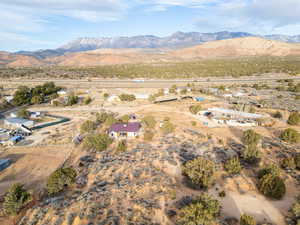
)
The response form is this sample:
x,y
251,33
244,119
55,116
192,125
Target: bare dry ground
x,y
32,165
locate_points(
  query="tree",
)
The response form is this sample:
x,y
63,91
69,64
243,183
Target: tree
x,y
72,99
272,186
167,127
252,154
290,135
200,171
149,121
98,142
294,118
277,115
233,166
37,100
203,210
288,163
269,169
88,126
122,146
297,160
173,89
60,179
250,137
110,120
194,109
127,97
125,119
23,113
22,96
87,100
101,117
16,197
296,209
247,220
148,135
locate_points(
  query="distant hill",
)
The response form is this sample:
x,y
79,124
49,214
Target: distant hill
x,y
236,47
239,47
176,40
17,60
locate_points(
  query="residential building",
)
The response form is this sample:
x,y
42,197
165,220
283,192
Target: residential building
x,y
125,130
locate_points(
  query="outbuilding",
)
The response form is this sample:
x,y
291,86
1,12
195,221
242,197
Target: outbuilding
x,y
18,122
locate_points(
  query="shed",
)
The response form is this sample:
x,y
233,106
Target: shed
x,y
142,96
4,163
18,122
199,99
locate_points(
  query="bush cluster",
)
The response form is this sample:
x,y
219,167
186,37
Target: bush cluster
x,y
200,171
127,97
233,166
97,142
294,119
290,135
60,179
194,109
202,210
16,197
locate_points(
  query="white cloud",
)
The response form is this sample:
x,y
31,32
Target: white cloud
x,y
267,16
20,41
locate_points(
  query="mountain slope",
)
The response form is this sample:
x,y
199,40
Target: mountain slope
x,y
237,47
176,40
16,60
249,46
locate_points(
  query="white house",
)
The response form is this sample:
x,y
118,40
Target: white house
x,y
113,98
9,98
125,130
142,96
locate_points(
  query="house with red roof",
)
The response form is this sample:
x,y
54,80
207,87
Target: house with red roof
x,y
125,130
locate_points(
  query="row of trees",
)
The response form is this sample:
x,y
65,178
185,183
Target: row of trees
x,y
37,95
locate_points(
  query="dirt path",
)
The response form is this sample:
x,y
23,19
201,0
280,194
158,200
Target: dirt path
x,y
235,204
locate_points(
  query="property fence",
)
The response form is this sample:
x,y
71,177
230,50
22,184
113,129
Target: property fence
x,y
60,120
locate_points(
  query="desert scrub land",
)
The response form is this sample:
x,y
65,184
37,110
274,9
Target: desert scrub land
x,y
236,67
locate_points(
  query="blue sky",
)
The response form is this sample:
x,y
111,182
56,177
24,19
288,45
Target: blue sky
x,y
41,24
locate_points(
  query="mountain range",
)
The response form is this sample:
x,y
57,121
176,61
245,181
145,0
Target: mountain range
x,y
176,40
228,48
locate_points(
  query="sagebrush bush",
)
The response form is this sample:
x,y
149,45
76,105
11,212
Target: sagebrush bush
x,y
203,210
247,220
200,171
233,166
272,186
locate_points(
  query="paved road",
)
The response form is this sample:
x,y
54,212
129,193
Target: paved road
x,y
147,83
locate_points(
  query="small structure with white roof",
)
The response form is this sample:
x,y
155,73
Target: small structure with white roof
x,y
18,122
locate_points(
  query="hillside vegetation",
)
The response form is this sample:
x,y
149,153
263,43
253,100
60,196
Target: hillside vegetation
x,y
190,69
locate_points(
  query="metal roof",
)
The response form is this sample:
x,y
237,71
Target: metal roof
x,y
125,127
3,161
237,113
17,120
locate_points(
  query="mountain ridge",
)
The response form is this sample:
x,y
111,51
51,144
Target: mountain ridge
x,y
176,40
232,48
